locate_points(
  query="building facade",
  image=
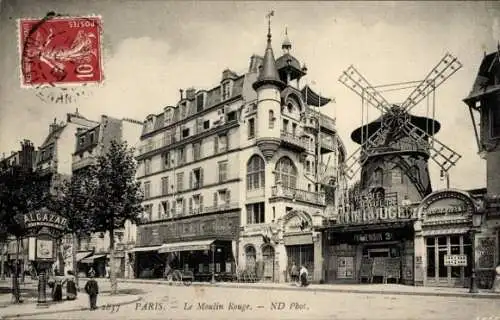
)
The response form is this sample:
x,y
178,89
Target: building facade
x,y
89,144
484,103
232,179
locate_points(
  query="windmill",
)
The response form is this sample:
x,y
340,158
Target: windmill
x,y
398,136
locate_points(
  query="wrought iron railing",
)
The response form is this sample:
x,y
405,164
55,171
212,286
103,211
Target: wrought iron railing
x,y
298,194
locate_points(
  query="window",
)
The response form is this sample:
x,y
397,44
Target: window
x,y
147,166
495,122
294,129
196,178
396,175
271,119
255,173
165,205
222,171
196,151
251,128
183,110
285,125
180,207
200,102
168,116
182,155
286,172
180,181
308,166
255,213
231,116
149,124
166,160
185,133
82,141
206,124
378,176
197,204
223,196
91,137
147,190
226,90
164,186
148,212
290,108
222,145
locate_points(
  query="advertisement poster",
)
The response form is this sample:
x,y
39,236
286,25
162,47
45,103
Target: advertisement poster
x,y
44,249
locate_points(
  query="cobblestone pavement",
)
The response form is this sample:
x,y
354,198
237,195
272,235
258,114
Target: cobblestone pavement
x,y
194,302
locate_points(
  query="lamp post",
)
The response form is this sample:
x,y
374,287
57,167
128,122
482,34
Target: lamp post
x,y
212,247
476,223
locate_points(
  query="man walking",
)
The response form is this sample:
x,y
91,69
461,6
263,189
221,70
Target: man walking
x,y
92,289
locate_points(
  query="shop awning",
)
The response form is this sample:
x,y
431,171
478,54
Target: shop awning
x,y
142,249
81,255
186,246
92,258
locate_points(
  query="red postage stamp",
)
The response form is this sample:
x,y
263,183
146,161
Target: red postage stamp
x,y
60,51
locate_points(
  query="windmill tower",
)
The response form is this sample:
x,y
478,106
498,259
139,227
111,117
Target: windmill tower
x,y
394,149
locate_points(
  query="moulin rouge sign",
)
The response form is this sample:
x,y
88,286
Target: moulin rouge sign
x,y
374,211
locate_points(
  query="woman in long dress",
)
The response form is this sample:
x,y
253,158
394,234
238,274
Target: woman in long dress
x,y
303,276
70,286
57,291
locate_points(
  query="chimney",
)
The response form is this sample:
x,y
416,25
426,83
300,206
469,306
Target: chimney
x,y
27,154
181,92
190,93
255,63
228,74
53,126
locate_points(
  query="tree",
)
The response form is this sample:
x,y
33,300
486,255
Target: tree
x,y
74,201
21,191
117,197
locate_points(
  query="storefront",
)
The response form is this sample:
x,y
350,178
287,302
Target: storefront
x,y
444,240
196,244
372,245
268,251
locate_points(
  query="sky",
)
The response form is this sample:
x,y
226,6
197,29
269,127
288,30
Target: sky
x,y
154,48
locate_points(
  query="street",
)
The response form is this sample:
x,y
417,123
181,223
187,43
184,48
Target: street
x,y
180,302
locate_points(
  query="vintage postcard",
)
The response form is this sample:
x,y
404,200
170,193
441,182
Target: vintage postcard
x,y
249,160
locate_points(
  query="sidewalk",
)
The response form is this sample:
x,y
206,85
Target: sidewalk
x,y
387,289
29,306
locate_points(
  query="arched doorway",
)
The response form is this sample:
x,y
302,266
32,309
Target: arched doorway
x,y
268,257
250,256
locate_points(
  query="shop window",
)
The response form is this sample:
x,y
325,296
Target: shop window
x,y
255,173
431,259
255,213
286,173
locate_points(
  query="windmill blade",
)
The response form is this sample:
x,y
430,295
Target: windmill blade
x,y
353,80
442,71
356,160
443,156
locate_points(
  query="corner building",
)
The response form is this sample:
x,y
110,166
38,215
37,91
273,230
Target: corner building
x,y
233,177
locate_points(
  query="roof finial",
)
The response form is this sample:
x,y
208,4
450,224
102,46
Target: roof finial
x,y
287,44
268,16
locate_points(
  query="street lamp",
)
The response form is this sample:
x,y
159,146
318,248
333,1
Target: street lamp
x,y
212,247
476,223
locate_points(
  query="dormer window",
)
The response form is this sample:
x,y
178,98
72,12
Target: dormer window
x,y
226,90
149,124
82,141
200,102
168,116
91,137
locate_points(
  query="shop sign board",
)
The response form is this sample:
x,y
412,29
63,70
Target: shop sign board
x,y
224,226
455,260
367,215
446,205
43,218
374,237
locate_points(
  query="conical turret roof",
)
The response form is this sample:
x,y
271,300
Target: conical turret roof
x,y
269,73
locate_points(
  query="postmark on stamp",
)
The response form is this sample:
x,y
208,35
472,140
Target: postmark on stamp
x,y
60,51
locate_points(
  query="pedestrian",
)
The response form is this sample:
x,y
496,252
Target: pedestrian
x,y
70,286
92,289
57,289
294,272
303,276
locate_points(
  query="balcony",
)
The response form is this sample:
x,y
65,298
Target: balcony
x,y
294,141
325,121
279,191
400,146
83,162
